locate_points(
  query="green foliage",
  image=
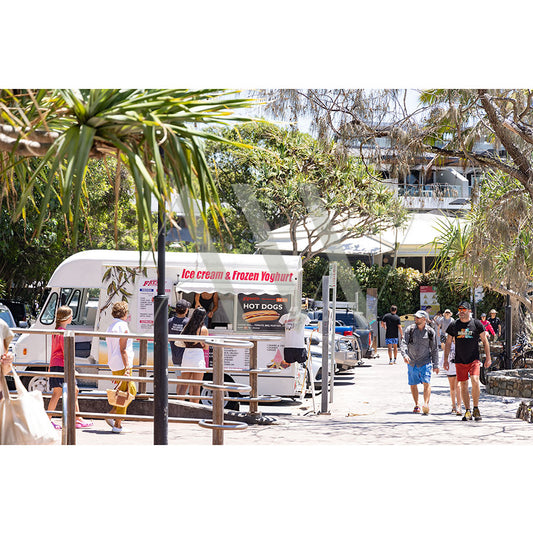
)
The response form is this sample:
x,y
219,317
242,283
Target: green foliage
x,y
154,133
399,287
291,178
28,260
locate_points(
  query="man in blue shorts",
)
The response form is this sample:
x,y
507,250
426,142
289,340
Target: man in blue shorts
x,y
392,324
419,348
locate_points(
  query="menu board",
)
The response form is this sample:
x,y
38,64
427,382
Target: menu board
x,y
147,290
261,312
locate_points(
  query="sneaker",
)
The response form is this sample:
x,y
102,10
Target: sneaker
x,y
467,416
110,422
425,410
417,409
454,410
458,412
116,429
390,362
476,414
394,360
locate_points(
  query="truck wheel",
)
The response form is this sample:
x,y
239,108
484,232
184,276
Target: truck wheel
x,y
228,405
36,383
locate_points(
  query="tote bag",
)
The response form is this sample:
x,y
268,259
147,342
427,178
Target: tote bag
x,y
23,419
122,399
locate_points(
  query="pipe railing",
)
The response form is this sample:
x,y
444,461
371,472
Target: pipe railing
x,y
216,424
253,371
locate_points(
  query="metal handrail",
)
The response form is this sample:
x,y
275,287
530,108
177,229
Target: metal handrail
x,y
216,425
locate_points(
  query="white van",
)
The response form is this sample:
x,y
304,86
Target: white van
x,y
91,281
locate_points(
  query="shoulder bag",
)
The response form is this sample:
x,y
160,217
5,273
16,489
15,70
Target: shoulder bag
x,y
23,419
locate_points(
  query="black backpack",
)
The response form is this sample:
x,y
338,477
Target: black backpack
x,y
431,333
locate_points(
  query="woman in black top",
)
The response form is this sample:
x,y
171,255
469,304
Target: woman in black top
x,y
208,301
193,355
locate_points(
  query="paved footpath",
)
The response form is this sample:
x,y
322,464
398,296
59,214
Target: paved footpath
x,y
372,405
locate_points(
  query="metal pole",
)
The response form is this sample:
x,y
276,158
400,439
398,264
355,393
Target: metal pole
x,y
333,284
143,359
508,334
71,387
161,341
218,395
325,344
254,405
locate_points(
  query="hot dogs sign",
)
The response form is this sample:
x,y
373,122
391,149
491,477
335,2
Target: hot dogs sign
x,y
261,312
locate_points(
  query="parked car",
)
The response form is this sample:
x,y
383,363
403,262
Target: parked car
x,y
20,312
348,353
7,317
348,323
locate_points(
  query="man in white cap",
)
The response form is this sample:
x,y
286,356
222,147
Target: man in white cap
x,y
420,350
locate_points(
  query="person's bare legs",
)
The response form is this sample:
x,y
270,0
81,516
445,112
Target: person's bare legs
x,y
465,395
475,389
196,388
454,392
414,393
427,394
56,395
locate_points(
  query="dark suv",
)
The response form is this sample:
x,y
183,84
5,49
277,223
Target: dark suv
x,y
348,321
19,312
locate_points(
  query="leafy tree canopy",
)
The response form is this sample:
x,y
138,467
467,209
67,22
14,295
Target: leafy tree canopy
x,y
293,179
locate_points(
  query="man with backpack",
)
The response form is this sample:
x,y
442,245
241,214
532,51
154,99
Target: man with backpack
x,y
419,348
467,332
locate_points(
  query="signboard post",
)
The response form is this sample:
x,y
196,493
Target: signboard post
x,y
333,286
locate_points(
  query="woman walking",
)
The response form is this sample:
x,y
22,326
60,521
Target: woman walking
x,y
57,365
193,355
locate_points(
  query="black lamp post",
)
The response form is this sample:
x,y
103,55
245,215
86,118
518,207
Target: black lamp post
x,y
161,340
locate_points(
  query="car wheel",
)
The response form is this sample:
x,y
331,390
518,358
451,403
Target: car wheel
x,y
228,405
36,383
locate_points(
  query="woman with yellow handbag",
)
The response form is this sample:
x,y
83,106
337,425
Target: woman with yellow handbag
x,y
120,359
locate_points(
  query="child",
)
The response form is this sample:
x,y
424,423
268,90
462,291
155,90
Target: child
x,y
57,365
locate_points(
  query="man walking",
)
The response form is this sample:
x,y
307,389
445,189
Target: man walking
x,y
419,348
392,324
467,332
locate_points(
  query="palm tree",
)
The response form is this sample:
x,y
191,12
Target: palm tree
x,y
47,138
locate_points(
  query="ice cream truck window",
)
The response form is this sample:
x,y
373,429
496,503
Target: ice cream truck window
x,y
49,313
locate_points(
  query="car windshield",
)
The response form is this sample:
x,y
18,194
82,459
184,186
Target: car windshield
x,y
361,321
8,318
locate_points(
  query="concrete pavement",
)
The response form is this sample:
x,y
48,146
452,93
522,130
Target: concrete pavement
x,y
372,406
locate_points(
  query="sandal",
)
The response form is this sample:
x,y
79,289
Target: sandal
x,y
84,424
57,426
417,409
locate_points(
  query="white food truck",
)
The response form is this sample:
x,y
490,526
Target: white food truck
x,y
91,281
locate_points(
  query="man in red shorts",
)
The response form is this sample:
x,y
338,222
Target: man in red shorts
x,y
466,332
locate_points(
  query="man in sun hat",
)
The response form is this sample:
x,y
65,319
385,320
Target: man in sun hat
x,y
467,332
419,348
495,323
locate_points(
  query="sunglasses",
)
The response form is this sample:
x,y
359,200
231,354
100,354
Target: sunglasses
x,y
462,309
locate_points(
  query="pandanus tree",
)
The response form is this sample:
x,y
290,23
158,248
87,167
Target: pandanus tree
x,y
48,137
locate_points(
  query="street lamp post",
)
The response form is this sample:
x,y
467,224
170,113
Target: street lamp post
x,y
161,341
